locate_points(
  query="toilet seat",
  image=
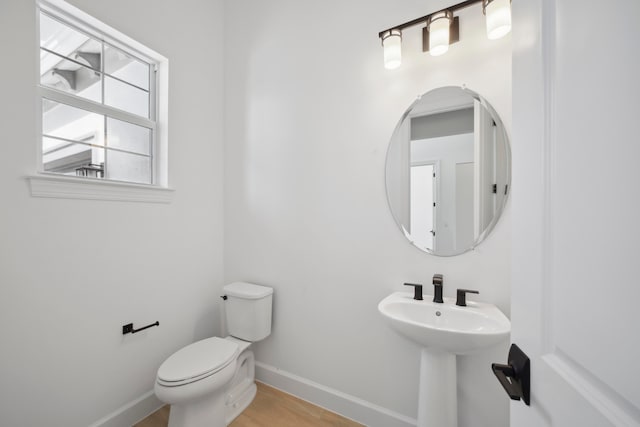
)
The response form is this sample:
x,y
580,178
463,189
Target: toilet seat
x,y
197,361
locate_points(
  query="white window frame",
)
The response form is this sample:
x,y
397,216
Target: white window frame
x,y
47,184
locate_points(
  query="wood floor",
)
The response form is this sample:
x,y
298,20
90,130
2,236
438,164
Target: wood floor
x,y
270,408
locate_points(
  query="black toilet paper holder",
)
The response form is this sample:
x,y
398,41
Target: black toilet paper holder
x,y
128,328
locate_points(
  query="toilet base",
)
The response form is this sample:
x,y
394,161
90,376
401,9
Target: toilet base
x,y
204,412
242,389
244,400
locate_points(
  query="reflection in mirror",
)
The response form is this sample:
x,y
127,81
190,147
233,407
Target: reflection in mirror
x,y
448,171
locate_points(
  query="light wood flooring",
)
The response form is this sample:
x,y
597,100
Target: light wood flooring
x,y
270,408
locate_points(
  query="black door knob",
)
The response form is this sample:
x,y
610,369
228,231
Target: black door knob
x,y
515,377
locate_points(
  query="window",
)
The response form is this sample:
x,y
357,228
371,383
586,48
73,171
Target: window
x,y
99,99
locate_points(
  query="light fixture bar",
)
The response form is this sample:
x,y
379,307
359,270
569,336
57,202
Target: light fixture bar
x,y
424,19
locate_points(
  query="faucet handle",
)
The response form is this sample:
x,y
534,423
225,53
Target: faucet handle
x,y
461,296
417,290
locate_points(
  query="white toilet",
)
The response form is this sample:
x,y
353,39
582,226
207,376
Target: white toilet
x,y
210,382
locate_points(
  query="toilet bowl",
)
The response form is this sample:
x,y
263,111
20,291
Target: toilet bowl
x,y
210,382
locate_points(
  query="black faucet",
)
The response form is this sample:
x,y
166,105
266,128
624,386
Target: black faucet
x,y
461,296
417,290
437,288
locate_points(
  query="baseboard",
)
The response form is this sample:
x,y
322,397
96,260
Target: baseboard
x,y
348,406
333,400
132,412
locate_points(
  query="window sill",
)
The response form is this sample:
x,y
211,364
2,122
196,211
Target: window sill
x,y
61,187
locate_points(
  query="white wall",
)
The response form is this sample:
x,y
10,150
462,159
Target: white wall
x,y
309,112
72,272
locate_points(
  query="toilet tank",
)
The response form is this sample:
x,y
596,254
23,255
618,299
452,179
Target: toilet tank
x,y
248,310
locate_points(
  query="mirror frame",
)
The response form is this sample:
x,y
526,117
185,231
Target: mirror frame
x,y
499,209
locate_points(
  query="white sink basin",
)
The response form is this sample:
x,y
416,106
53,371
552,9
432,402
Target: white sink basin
x,y
445,327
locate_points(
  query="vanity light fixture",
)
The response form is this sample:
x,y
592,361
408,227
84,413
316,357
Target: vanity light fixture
x,y
442,29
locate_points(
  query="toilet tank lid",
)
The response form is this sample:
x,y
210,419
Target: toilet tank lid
x,y
247,290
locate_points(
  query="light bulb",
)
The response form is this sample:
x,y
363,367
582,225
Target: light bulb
x,y
498,14
392,45
438,26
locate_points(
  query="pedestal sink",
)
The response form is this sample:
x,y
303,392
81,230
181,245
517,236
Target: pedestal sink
x,y
444,331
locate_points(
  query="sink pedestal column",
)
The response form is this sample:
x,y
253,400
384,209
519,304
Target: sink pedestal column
x,y
437,398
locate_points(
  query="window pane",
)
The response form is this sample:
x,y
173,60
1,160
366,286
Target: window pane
x,y
69,158
127,136
126,97
70,77
128,167
125,67
64,121
66,42
58,37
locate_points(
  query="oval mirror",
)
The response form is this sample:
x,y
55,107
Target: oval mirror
x,y
448,171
